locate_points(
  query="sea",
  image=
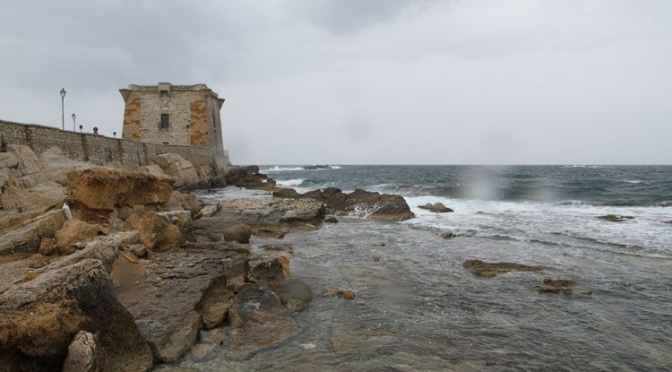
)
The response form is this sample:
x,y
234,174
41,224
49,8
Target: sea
x,y
418,309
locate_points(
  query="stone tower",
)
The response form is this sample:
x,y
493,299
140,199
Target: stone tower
x,y
174,115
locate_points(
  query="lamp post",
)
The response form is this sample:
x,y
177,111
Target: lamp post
x,y
63,108
73,122
81,127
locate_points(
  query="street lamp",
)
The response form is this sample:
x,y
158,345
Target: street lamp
x,y
81,127
73,121
63,108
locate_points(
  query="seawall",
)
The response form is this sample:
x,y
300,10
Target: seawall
x,y
101,150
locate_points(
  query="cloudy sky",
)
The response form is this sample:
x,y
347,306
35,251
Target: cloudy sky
x,y
364,81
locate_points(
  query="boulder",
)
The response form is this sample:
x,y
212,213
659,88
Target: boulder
x,y
249,177
488,270
447,234
240,233
178,167
107,189
179,340
74,231
82,293
272,273
183,201
343,293
215,302
83,354
258,321
22,236
8,160
28,163
157,233
436,208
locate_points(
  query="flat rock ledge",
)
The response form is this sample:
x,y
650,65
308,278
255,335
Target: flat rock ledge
x,y
358,203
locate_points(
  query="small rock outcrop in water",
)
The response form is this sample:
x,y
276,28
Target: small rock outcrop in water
x,y
436,208
258,321
615,218
343,293
250,178
488,270
312,167
359,202
549,285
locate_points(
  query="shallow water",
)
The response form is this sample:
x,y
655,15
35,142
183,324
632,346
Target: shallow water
x,y
417,309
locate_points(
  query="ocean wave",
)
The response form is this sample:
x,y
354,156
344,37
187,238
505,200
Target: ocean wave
x,y
290,183
283,169
667,203
633,181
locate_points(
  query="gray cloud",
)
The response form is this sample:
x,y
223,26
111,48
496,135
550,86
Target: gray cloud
x,y
345,81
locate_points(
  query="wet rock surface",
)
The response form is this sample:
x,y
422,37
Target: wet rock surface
x,y
258,321
265,217
359,202
249,178
615,218
488,269
169,287
436,208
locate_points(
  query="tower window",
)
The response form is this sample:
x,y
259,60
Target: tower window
x,y
165,121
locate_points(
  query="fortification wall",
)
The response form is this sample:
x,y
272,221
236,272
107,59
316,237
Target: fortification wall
x,y
98,149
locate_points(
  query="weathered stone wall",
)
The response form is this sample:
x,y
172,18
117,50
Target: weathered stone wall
x,y
193,112
99,149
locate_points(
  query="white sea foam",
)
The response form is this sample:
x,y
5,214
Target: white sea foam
x,y
567,224
290,183
633,181
282,169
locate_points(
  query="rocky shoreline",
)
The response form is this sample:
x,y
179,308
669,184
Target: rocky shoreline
x,y
105,269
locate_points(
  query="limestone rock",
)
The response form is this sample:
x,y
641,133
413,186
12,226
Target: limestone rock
x,y
174,283
8,160
238,233
176,166
48,247
436,208
172,346
488,270
358,203
83,355
107,189
85,286
24,236
249,177
272,273
28,162
157,233
343,293
41,330
208,210
258,321
74,231
214,303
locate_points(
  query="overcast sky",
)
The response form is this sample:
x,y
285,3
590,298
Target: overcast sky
x,y
364,81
